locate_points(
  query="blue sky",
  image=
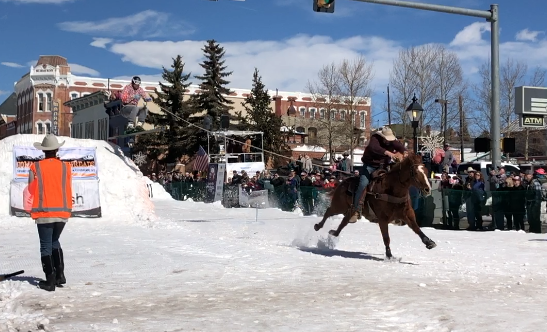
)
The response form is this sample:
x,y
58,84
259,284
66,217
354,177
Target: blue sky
x,y
284,39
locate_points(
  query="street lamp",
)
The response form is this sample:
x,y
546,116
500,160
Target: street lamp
x,y
131,144
414,112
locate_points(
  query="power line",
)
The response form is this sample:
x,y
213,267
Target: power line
x,y
235,140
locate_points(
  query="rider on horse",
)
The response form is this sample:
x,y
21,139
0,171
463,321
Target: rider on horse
x,y
381,149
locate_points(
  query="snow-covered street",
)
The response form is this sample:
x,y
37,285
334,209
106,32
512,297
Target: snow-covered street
x,y
206,268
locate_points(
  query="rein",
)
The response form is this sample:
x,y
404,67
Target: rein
x,y
390,198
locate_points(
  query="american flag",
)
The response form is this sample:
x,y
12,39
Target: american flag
x,y
202,160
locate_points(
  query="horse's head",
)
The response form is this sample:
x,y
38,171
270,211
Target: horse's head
x,y
417,176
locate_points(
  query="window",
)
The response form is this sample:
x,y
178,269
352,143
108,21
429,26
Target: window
x,y
73,95
312,113
322,113
362,119
89,130
333,114
40,102
49,102
342,115
40,129
103,129
302,111
48,128
312,135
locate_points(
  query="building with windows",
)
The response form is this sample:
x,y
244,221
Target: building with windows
x,y
43,98
89,119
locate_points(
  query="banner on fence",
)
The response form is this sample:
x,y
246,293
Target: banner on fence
x,y
250,168
85,199
83,160
215,182
255,199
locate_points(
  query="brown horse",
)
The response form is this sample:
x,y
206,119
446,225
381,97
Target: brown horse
x,y
387,196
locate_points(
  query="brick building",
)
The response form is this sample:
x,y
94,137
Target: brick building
x,y
42,95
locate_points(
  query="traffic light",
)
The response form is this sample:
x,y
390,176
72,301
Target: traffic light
x,y
323,6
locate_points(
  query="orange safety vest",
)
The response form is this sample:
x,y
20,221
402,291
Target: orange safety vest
x,y
53,193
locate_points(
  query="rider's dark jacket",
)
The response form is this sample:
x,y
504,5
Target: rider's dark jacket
x,y
374,152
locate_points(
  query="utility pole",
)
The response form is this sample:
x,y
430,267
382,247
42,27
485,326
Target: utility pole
x,y
460,107
492,17
389,108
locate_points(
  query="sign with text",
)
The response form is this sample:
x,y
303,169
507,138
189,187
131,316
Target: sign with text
x,y
531,100
55,120
532,121
215,182
82,159
86,201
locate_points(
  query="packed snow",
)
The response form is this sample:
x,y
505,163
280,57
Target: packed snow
x,y
201,267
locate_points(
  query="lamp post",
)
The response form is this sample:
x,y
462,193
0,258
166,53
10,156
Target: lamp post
x,y
414,112
131,144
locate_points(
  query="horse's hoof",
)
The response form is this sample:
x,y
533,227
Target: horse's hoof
x,y
316,227
431,245
333,233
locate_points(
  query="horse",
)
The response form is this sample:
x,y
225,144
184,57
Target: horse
x,y
387,199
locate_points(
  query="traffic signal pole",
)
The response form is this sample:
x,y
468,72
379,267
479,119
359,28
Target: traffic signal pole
x,y
492,17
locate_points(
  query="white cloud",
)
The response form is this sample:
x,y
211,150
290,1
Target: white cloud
x,y
82,70
471,34
527,35
101,42
11,64
288,64
41,2
146,24
3,92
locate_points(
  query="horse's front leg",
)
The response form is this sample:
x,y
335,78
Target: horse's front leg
x,y
343,224
329,213
385,236
411,222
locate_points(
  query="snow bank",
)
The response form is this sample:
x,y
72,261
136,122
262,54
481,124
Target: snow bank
x,y
158,192
122,188
15,317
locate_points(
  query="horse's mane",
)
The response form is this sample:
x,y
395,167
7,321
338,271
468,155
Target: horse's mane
x,y
406,163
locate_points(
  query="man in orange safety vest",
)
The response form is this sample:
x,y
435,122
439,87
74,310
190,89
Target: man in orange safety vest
x,y
51,208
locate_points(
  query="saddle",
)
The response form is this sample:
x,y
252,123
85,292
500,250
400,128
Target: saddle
x,y
375,177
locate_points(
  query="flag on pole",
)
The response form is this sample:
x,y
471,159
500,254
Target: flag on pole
x,y
202,160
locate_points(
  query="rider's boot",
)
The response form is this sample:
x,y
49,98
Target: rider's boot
x,y
356,211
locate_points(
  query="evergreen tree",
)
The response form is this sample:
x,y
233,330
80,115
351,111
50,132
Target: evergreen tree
x,y
177,137
213,90
261,117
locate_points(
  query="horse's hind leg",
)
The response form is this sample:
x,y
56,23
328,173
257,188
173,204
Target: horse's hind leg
x,y
343,224
329,213
385,236
411,222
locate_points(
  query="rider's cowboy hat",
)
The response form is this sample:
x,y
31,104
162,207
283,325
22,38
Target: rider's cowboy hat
x,y
387,133
470,170
49,143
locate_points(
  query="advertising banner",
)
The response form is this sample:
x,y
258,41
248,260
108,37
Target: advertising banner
x,y
86,201
215,182
250,168
83,160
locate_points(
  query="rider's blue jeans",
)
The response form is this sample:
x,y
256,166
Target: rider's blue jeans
x,y
363,183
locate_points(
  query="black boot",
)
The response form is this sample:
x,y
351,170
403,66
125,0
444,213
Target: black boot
x,y
49,270
59,264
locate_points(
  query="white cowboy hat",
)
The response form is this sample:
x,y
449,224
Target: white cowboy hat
x,y
387,133
49,143
470,170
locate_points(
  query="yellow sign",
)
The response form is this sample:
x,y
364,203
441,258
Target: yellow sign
x,y
532,121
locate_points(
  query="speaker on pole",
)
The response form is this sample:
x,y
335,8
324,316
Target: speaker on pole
x,y
508,145
224,121
482,144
